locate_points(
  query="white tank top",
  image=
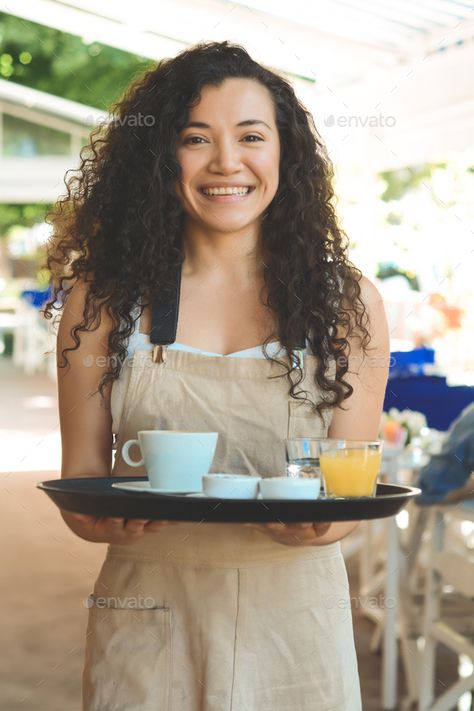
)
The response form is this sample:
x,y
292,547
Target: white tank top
x,y
141,341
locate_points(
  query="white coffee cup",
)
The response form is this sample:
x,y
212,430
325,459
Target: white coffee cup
x,y
173,460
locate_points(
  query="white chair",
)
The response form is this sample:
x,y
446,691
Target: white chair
x,y
33,345
450,563
388,564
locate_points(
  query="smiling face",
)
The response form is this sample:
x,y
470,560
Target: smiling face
x,y
229,154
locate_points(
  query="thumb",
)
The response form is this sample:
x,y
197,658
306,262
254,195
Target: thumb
x,y
83,518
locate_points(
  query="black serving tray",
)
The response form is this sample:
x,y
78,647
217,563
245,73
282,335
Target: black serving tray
x,y
95,496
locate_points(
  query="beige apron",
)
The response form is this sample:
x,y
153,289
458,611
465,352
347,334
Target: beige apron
x,y
219,617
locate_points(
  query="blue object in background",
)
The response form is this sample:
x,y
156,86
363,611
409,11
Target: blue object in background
x,y
409,363
408,388
37,297
431,395
450,469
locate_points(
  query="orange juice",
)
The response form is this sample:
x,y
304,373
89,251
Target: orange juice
x,y
350,472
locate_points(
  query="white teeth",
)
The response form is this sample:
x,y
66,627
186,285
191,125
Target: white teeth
x,y
225,191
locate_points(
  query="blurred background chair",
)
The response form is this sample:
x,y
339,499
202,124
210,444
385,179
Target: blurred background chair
x,y
436,594
449,593
26,334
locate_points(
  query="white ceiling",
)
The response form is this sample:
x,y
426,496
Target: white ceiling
x,y
322,40
359,65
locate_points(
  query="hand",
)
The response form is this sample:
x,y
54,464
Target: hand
x,y
119,531
293,534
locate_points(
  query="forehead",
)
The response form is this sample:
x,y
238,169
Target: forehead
x,y
238,99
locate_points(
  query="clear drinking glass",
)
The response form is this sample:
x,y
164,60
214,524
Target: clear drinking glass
x,y
302,457
350,467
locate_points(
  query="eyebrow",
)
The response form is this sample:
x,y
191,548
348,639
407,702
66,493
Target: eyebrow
x,y
247,122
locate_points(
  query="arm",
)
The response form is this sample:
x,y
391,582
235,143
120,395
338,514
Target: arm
x,y
86,420
358,418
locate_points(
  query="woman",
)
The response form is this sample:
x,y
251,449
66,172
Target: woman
x,y
214,198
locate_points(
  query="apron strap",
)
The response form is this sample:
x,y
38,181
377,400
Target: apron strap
x,y
164,323
164,320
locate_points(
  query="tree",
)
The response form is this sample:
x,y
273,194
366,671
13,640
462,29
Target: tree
x,y
26,215
62,64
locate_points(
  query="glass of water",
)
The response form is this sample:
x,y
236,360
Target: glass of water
x,y
302,457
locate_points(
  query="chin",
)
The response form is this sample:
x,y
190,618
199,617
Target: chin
x,y
227,225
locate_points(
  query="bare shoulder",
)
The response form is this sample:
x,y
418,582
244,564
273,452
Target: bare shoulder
x,y
75,299
374,317
369,294
372,322
374,305
77,296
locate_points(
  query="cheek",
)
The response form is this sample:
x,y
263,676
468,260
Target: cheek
x,y
189,162
184,165
269,169
183,186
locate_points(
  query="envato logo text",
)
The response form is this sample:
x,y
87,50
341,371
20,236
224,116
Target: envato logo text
x,y
372,121
122,603
103,361
331,602
132,120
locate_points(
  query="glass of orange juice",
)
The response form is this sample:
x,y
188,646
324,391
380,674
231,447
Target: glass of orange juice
x,y
350,467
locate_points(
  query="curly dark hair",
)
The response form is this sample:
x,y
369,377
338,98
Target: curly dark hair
x,y
120,225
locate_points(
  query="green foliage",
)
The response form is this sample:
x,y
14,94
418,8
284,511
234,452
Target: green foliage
x,y
385,270
61,64
58,63
401,181
26,215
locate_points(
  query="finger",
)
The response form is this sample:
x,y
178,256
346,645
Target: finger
x,y
83,518
260,527
154,526
279,533
111,522
299,529
290,534
272,526
321,528
135,524
289,529
296,534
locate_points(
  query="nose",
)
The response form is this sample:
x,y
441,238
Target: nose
x,y
226,158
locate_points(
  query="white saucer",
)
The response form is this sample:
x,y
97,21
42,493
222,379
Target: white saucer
x,y
147,488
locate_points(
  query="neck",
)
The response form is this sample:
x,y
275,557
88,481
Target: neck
x,y
230,256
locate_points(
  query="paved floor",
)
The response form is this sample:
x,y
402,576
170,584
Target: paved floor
x,y
47,572
29,421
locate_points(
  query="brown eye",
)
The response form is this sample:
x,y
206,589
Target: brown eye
x,y
252,138
194,140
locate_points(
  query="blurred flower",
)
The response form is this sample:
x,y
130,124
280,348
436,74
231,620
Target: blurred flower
x,y
399,427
